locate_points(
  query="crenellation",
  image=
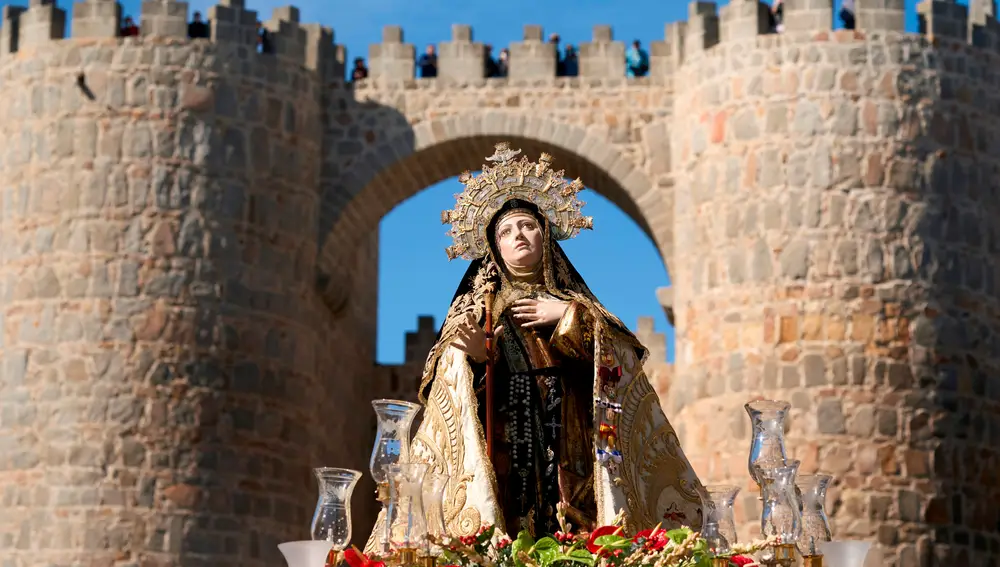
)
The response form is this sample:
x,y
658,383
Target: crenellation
x,y
791,182
419,343
532,58
392,60
943,19
984,29
880,15
666,56
98,18
461,59
288,39
164,18
743,19
10,28
808,16
231,22
702,31
603,57
41,23
323,55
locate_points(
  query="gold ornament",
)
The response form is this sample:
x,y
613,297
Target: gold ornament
x,y
508,179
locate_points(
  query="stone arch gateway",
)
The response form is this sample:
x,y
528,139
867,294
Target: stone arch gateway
x,y
825,202
440,148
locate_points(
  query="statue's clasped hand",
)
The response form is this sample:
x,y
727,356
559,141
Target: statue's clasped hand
x,y
471,338
539,312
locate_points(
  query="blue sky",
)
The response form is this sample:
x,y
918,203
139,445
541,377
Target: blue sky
x,y
619,262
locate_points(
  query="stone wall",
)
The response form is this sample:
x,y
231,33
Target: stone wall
x,y
167,379
837,249
190,241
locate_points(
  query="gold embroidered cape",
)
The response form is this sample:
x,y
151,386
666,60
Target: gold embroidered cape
x,y
653,483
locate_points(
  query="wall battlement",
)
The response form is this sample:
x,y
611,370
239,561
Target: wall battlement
x,y
190,229
306,45
462,59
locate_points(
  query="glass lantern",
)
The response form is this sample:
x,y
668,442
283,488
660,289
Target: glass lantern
x,y
815,524
781,515
406,525
332,517
434,487
722,497
767,419
392,446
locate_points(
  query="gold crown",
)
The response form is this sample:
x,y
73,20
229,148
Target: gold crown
x,y
508,179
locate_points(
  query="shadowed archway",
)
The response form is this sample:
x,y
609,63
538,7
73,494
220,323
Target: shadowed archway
x,y
439,149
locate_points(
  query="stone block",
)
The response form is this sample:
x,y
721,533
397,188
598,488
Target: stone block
x,y
808,15
231,23
39,24
880,15
602,58
702,29
667,55
10,27
743,19
392,59
97,19
461,59
532,58
288,39
984,30
943,19
164,18
322,55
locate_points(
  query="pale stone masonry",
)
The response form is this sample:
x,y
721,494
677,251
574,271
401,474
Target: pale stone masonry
x,y
188,239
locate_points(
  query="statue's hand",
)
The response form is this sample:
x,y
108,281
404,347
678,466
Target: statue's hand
x,y
472,338
539,313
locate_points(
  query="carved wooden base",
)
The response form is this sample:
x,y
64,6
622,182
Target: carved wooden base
x,y
812,561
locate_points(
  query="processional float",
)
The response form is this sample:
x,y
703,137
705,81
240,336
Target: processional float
x,y
793,514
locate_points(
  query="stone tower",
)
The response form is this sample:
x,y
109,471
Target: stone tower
x,y
835,246
188,238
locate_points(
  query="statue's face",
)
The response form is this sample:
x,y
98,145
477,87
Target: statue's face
x,y
519,238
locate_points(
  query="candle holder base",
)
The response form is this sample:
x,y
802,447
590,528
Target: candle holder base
x,y
382,493
781,556
720,562
407,557
812,561
431,561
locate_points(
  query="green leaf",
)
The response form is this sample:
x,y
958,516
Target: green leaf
x,y
545,544
613,542
581,556
679,535
524,542
545,551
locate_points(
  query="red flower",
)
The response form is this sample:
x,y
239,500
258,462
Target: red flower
x,y
741,560
565,538
654,540
601,531
355,558
503,542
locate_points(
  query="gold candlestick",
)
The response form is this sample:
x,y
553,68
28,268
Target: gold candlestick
x,y
431,561
382,492
720,562
784,554
408,557
812,561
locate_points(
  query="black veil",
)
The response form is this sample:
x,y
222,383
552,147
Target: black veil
x,y
562,280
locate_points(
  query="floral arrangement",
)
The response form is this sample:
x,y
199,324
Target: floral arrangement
x,y
606,545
